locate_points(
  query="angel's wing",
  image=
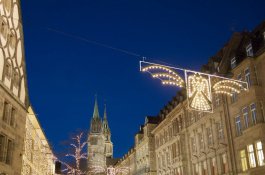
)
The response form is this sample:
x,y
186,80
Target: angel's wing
x,y
166,75
229,87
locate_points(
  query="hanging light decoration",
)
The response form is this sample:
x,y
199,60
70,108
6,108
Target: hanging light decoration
x,y
199,93
197,84
167,76
228,87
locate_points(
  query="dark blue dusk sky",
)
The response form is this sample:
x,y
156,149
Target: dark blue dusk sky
x,y
65,73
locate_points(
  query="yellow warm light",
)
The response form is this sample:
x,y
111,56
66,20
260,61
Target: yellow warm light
x,y
199,93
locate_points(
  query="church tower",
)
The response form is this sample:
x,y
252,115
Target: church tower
x,y
96,141
100,147
107,135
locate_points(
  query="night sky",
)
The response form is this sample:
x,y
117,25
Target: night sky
x,y
65,72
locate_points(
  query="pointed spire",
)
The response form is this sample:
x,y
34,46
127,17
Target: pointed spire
x,y
105,112
96,113
106,128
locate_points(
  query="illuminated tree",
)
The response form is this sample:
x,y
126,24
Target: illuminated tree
x,y
78,154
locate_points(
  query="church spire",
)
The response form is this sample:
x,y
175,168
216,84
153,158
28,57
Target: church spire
x,y
96,113
96,123
106,128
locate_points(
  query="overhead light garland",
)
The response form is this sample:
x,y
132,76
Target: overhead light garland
x,y
198,85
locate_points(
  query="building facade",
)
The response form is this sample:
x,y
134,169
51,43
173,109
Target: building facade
x,y
230,140
100,147
13,88
141,159
38,158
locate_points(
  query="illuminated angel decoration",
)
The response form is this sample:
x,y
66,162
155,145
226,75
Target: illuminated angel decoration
x,y
199,93
197,84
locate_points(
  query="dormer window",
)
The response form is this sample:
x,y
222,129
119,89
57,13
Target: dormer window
x,y
249,50
233,63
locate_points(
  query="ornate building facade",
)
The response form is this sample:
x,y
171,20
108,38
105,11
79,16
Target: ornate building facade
x,y
38,158
230,140
141,159
13,88
100,147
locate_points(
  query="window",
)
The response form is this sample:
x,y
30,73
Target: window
x,y
245,116
174,154
4,29
220,131
243,159
249,50
264,35
253,113
210,136
260,155
9,152
12,117
12,40
201,140
204,170
16,79
8,70
262,110
193,144
251,156
233,97
238,126
217,100
224,163
233,63
6,112
213,167
247,76
2,147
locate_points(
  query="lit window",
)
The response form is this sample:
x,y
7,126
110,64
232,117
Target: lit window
x,y
220,131
238,125
245,115
243,159
247,76
260,155
249,50
264,35
253,113
251,156
210,136
233,63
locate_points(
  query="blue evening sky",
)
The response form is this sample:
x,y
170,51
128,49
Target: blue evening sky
x,y
65,73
